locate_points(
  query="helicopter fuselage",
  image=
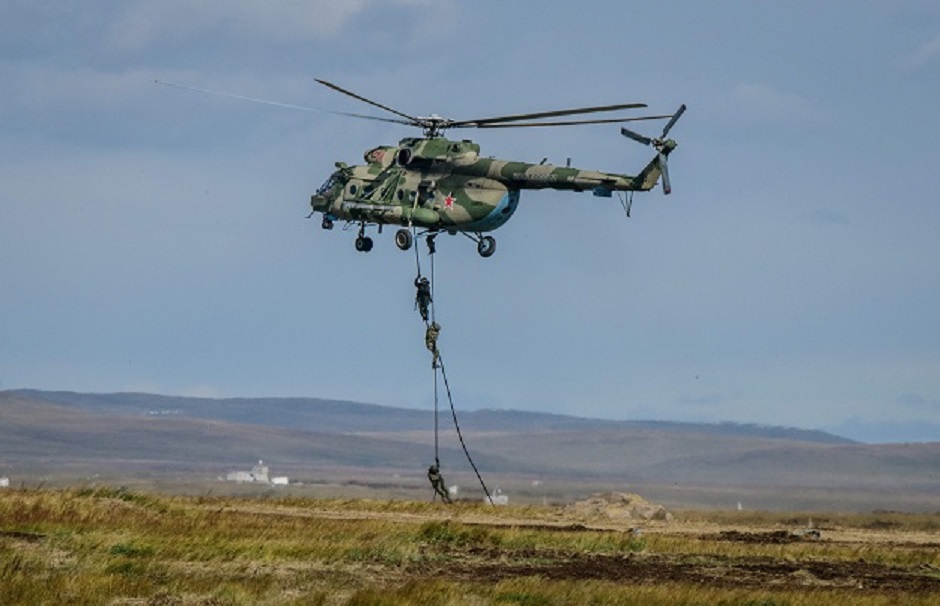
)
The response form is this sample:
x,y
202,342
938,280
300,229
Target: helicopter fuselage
x,y
442,185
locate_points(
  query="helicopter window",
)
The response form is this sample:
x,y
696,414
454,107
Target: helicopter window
x,y
401,195
327,185
352,189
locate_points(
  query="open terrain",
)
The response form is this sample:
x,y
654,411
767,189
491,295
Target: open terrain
x,y
116,546
333,449
120,499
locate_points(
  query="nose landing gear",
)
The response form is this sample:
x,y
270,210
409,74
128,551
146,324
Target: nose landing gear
x,y
363,242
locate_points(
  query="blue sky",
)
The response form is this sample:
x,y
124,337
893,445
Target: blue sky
x,y
154,239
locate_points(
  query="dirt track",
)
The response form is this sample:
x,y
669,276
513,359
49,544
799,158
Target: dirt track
x,y
762,572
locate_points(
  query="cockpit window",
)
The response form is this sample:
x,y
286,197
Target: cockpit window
x,y
328,184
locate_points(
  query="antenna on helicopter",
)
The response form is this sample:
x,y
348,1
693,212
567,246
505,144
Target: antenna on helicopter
x,y
661,144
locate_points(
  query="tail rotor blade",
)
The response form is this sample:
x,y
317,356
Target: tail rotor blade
x,y
664,166
626,132
673,120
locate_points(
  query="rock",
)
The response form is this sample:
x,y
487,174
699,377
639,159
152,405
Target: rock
x,y
620,506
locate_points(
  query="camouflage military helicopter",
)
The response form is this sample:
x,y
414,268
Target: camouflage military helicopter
x,y
435,185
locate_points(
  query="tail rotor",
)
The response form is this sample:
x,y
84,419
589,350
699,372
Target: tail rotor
x,y
661,144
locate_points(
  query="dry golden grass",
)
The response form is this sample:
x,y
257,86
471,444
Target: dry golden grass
x,y
105,545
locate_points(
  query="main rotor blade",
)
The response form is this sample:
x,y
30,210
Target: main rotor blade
x,y
571,122
674,119
481,122
243,97
412,119
377,118
276,103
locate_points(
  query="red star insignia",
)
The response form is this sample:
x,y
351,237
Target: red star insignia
x,y
449,201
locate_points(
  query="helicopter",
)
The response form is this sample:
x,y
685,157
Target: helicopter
x,y
435,184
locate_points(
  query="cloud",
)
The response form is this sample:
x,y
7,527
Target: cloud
x,y
142,23
764,103
925,53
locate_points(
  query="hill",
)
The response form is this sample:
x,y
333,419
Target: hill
x,y
336,416
64,437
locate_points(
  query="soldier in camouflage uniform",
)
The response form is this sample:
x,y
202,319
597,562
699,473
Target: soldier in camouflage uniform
x,y
430,340
423,296
437,482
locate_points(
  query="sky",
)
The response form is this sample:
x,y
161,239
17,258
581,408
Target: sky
x,y
155,239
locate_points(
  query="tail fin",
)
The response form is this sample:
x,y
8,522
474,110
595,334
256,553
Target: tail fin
x,y
657,167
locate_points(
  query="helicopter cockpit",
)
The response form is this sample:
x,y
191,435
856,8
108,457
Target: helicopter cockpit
x,y
326,189
323,199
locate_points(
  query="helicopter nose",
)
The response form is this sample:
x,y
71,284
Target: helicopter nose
x,y
319,203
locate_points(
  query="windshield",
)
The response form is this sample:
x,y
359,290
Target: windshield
x,y
328,184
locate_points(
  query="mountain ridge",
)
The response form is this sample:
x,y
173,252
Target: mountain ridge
x,y
349,416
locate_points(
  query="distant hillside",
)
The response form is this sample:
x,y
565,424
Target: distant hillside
x,y
32,429
69,435
335,416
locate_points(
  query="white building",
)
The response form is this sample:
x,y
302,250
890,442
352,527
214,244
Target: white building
x,y
4,482
240,476
258,474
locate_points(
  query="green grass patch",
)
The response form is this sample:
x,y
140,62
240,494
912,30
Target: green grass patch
x,y
113,545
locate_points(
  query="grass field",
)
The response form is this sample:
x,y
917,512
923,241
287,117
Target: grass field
x,y
116,546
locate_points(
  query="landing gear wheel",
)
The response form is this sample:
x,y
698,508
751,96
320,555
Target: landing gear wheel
x,y
486,246
403,239
363,244
327,223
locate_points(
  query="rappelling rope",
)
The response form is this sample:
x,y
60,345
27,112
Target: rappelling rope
x,y
450,398
453,412
437,460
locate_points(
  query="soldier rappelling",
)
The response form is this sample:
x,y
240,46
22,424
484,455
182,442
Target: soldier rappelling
x,y
423,296
430,341
437,482
425,306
